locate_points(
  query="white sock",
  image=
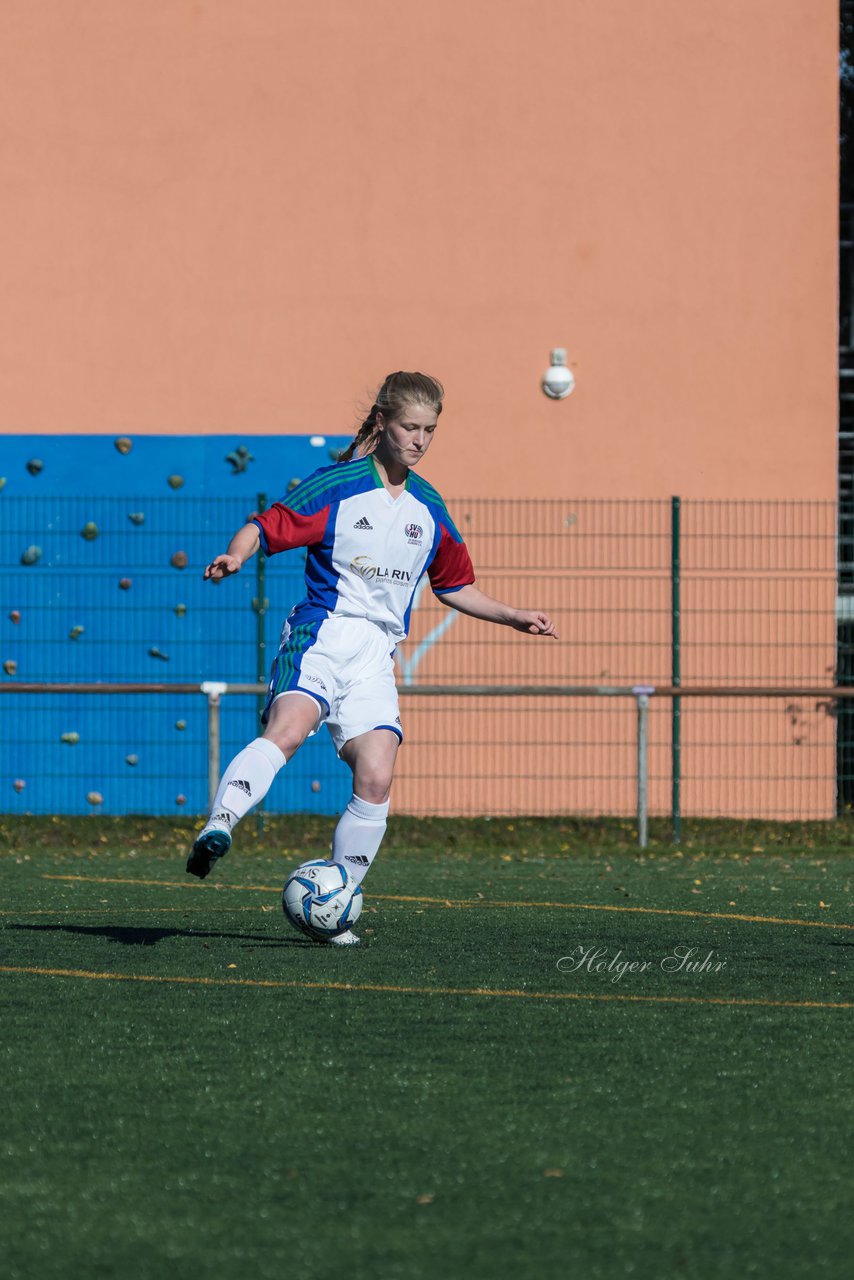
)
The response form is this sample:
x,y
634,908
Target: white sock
x,y
245,782
359,835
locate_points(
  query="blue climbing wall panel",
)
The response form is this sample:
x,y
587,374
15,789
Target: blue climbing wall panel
x,y
103,548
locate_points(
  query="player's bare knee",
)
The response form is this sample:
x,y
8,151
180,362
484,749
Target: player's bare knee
x,y
373,781
376,792
293,716
287,735
288,742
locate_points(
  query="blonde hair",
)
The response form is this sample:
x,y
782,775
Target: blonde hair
x,y
399,390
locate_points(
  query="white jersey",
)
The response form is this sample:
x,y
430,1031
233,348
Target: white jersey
x,y
366,549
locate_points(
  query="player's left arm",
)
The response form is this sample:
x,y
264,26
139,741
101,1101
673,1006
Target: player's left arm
x,y
477,604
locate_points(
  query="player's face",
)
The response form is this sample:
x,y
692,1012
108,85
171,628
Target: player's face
x,y
406,438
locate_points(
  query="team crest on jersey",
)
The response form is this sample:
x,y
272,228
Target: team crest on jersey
x,y
414,534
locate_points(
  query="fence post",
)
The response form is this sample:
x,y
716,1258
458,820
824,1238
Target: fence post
x,y
642,692
676,667
213,690
261,604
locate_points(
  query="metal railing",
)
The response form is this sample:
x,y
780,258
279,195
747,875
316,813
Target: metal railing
x,y
643,695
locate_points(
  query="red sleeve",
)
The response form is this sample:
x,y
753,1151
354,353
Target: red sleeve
x,y
282,529
451,567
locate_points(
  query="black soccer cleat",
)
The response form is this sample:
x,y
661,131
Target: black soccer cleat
x,y
209,846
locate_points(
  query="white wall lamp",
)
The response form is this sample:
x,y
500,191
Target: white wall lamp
x,y
558,381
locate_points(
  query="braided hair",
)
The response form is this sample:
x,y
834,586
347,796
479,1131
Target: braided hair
x,y
399,390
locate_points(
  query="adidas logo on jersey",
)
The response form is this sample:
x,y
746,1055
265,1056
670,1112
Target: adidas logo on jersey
x,y
244,786
364,523
359,859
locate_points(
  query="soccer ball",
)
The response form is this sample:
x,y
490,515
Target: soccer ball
x,y
322,899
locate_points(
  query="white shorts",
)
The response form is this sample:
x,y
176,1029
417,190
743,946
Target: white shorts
x,y
346,665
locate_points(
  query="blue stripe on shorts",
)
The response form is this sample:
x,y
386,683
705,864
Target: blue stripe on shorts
x,y
286,671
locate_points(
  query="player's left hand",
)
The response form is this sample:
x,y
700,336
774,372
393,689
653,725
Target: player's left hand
x,y
535,623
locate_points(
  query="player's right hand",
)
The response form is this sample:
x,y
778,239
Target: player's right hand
x,y
222,567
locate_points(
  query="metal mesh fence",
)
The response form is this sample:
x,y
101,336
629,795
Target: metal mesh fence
x,y
722,594
519,755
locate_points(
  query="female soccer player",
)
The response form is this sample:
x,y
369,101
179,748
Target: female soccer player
x,y
372,528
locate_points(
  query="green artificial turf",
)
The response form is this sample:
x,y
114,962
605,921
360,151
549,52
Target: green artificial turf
x,y
194,1090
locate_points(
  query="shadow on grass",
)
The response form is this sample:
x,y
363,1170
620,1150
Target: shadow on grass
x,y
146,937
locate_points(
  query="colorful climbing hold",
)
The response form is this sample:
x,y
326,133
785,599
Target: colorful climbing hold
x,y
180,799
19,785
32,555
76,632
124,444
239,459
132,759
125,583
95,797
180,609
71,738
10,666
15,615
180,724
315,786
2,482
34,466
180,560
89,531
154,652
292,484
136,517
175,482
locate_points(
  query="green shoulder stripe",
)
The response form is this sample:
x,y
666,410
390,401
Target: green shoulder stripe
x,y
329,478
421,485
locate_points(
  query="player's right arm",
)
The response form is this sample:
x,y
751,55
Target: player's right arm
x,y
279,528
242,547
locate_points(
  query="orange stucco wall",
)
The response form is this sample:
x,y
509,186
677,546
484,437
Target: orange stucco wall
x,y
224,217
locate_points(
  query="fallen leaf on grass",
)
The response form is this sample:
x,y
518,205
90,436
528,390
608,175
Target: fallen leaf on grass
x,y
552,1173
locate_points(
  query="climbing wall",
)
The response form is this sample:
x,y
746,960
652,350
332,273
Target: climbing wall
x,y
103,542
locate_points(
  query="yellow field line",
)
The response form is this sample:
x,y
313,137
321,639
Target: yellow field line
x,y
418,991
466,903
